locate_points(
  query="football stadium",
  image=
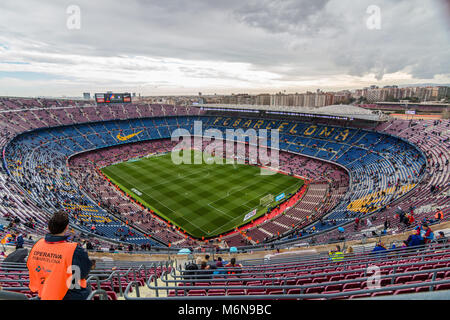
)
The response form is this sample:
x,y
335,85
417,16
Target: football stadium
x,y
238,197
346,177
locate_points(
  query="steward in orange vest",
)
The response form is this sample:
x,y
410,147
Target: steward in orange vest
x,y
58,268
439,215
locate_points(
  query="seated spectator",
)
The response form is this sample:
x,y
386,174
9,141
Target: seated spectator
x,y
219,263
89,246
379,248
219,266
337,254
211,264
204,273
387,224
410,219
19,241
418,230
438,216
414,239
204,266
428,235
441,238
233,264
190,267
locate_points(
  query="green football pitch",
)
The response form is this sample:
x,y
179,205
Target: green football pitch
x,y
205,200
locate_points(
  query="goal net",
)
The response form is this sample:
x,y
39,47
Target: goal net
x,y
266,200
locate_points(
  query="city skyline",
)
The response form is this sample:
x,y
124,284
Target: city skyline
x,y
401,91
318,98
180,48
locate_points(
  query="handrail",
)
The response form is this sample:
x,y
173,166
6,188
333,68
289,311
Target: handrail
x,y
8,295
101,292
284,280
128,288
398,251
324,263
111,277
291,296
202,273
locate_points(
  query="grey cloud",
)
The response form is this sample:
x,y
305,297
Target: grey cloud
x,y
292,38
291,16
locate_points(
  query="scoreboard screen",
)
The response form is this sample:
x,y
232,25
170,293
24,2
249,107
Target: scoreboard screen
x,y
113,97
100,97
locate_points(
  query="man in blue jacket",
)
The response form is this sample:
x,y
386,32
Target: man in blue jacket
x,y
379,248
415,240
19,241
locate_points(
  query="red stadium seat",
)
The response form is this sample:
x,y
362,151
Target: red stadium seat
x,y
216,292
202,284
361,295
333,287
273,292
420,277
235,292
320,280
256,291
402,279
197,292
382,293
111,295
335,278
218,283
293,291
351,285
445,286
303,281
352,276
314,290
403,291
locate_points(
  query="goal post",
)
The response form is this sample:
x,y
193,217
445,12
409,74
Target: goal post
x,y
266,200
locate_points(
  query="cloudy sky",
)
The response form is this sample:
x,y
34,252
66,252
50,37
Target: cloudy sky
x,y
159,47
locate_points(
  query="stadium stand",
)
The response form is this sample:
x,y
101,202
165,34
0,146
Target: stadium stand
x,y
391,163
366,180
401,271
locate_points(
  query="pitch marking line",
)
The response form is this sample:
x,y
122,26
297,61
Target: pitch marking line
x,y
209,204
180,177
176,213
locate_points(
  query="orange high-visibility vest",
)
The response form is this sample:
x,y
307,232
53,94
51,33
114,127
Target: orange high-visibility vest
x,y
50,268
439,213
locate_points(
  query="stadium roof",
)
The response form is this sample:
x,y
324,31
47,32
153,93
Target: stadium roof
x,y
339,110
